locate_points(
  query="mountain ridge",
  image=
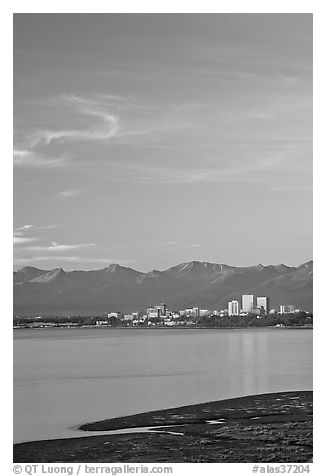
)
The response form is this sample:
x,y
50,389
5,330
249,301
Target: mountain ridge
x,y
188,284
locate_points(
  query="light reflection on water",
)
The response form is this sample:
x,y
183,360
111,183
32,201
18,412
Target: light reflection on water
x,y
65,377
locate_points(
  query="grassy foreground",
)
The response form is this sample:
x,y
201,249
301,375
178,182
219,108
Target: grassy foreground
x,y
273,427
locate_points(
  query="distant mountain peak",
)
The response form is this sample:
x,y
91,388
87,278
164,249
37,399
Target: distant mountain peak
x,y
29,268
52,275
308,264
113,267
117,268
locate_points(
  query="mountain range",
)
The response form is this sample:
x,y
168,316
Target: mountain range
x,y
195,283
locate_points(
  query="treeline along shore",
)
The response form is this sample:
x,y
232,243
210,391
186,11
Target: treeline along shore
x,y
274,427
298,319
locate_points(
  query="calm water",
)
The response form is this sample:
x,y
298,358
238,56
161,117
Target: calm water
x,y
65,377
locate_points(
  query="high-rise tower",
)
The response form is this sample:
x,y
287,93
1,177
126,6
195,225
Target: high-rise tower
x,y
247,302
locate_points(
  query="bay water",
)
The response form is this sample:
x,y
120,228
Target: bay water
x,y
66,377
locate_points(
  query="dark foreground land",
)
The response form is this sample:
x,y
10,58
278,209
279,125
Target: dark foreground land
x,y
274,427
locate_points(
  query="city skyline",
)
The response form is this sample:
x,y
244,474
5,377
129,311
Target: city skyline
x,y
154,139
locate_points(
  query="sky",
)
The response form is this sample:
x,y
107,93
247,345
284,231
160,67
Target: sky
x,y
154,139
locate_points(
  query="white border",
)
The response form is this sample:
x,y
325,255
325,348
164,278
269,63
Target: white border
x,y
138,6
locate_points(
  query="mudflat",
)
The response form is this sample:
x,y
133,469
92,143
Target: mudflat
x,y
273,427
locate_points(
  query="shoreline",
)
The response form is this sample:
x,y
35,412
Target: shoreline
x,y
272,427
172,328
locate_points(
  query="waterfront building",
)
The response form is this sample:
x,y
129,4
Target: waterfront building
x,y
263,304
129,317
233,308
247,302
203,312
287,309
153,313
101,322
162,309
117,315
157,311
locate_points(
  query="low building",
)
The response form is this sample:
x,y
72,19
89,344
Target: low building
x,y
233,308
154,314
102,322
129,317
287,309
117,315
204,312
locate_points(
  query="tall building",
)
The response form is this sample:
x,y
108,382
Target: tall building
x,y
157,311
263,302
247,302
195,311
233,308
153,312
162,309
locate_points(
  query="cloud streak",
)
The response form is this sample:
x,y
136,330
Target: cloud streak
x,y
29,158
106,126
34,227
104,131
112,119
21,240
54,247
72,193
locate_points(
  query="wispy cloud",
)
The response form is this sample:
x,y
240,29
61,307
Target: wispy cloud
x,y
72,193
110,118
152,174
27,228
216,157
29,158
104,131
54,247
105,127
21,240
21,230
101,103
22,153
166,243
